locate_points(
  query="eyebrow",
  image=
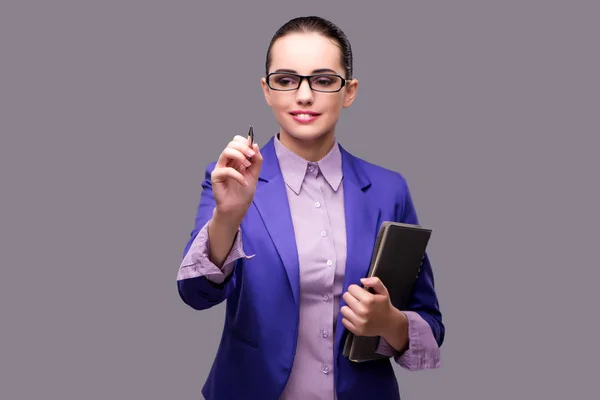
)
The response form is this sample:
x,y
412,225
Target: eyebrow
x,y
316,71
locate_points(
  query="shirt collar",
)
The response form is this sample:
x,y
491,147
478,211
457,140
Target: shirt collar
x,y
293,167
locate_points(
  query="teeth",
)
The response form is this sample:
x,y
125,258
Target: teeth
x,y
303,115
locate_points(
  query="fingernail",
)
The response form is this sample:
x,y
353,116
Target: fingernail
x,y
250,153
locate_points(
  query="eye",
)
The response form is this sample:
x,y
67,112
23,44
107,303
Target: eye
x,y
286,80
324,81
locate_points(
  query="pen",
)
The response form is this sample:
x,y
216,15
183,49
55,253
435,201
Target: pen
x,y
251,140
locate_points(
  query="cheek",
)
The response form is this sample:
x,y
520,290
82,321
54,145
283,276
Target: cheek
x,y
335,104
280,102
333,107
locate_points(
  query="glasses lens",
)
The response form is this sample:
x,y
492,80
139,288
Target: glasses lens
x,y
283,81
326,83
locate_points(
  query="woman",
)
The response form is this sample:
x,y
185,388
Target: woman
x,y
285,234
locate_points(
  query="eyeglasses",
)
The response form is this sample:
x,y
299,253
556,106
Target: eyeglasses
x,y
319,83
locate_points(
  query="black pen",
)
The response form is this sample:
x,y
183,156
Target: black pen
x,y
251,135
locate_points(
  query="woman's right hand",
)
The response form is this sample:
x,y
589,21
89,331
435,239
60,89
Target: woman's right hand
x,y
234,178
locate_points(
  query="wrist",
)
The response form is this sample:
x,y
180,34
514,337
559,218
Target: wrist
x,y
396,331
222,230
227,219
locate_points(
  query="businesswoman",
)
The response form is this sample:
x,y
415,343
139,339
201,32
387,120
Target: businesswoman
x,y
284,234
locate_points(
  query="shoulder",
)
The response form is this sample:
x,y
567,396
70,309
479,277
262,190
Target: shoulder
x,y
380,178
386,188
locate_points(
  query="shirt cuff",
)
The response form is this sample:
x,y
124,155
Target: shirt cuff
x,y
423,351
196,262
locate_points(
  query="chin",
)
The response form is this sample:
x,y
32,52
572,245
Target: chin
x,y
306,133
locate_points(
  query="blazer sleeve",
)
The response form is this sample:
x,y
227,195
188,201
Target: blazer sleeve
x,y
198,291
424,299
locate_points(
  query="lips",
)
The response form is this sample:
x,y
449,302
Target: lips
x,y
304,116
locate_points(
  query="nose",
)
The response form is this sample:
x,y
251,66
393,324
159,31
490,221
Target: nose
x,y
304,94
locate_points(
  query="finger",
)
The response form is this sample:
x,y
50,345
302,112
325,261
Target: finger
x,y
231,154
241,139
246,144
355,305
222,174
256,162
376,284
350,315
241,153
242,146
256,149
350,326
361,294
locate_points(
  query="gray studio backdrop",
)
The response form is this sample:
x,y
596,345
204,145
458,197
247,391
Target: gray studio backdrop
x,y
110,110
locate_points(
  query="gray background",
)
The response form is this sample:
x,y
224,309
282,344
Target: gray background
x,y
110,110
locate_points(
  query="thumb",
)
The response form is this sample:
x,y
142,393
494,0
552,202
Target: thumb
x,y
256,160
376,284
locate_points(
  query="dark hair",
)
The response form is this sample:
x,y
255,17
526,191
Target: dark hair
x,y
317,25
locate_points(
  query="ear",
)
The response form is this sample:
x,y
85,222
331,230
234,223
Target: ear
x,y
266,90
350,93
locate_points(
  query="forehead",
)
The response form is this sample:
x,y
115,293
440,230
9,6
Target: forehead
x,y
306,52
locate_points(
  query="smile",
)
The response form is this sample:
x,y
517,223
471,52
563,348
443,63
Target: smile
x,y
304,116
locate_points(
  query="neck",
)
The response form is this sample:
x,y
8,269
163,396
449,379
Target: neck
x,y
311,150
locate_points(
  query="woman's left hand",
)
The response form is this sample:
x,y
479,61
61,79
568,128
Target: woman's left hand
x,y
368,314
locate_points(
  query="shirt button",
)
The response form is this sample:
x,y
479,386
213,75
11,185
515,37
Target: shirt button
x,y
317,204
325,369
325,333
323,233
325,297
329,262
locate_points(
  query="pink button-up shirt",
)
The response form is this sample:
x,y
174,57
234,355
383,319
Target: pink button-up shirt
x,y
316,198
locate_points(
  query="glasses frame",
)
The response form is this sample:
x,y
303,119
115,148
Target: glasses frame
x,y
307,77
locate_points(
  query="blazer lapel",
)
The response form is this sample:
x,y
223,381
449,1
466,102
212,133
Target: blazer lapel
x,y
272,204
362,221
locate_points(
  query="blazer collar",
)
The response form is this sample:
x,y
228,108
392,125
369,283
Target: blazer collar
x,y
352,169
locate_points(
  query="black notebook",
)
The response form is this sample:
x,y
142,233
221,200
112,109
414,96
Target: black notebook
x,y
397,259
